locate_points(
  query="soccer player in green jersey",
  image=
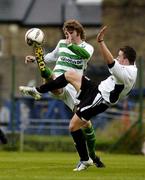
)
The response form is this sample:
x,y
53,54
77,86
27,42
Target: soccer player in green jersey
x,y
70,53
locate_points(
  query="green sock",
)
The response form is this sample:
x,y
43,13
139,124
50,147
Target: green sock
x,y
91,140
46,73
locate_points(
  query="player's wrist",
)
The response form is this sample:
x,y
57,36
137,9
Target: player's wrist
x,y
100,40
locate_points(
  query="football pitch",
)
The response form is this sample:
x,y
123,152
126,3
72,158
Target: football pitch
x,y
58,166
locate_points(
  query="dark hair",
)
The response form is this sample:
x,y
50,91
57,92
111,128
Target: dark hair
x,y
129,53
73,24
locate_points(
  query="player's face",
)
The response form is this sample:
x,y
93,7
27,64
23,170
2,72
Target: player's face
x,y
72,33
121,58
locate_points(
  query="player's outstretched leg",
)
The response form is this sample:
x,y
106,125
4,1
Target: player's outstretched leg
x,y
46,72
30,91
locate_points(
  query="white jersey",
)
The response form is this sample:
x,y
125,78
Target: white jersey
x,y
66,60
119,83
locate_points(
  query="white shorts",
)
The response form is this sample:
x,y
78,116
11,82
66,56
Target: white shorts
x,y
68,96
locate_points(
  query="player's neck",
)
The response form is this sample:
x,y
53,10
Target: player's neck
x,y
77,40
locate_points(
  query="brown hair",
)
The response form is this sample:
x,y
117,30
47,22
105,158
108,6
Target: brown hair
x,y
73,24
129,53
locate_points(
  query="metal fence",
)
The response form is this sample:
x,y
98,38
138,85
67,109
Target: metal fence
x,y
51,116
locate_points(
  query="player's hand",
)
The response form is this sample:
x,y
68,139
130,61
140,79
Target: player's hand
x,y
68,38
101,34
29,59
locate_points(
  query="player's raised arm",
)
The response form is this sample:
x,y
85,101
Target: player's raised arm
x,y
84,52
103,48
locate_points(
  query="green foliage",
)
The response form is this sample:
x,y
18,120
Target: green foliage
x,y
108,139
131,141
48,143
118,138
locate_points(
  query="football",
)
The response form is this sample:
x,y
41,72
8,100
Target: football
x,y
34,37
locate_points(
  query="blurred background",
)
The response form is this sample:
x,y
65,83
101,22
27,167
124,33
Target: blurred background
x,y
43,125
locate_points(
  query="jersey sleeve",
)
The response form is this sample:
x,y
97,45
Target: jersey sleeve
x,y
52,56
120,72
83,52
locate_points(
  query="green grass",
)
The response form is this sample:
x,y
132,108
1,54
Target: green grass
x,y
58,166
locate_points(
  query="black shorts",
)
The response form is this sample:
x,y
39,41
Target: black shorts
x,y
91,101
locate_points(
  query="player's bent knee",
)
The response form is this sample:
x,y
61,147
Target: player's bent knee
x,y
72,128
72,76
69,75
87,124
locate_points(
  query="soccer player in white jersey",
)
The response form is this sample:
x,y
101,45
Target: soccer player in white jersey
x,y
95,99
72,53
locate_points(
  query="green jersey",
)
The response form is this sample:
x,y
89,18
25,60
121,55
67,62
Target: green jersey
x,y
70,56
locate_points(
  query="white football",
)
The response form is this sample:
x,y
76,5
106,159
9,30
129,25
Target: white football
x,y
34,37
